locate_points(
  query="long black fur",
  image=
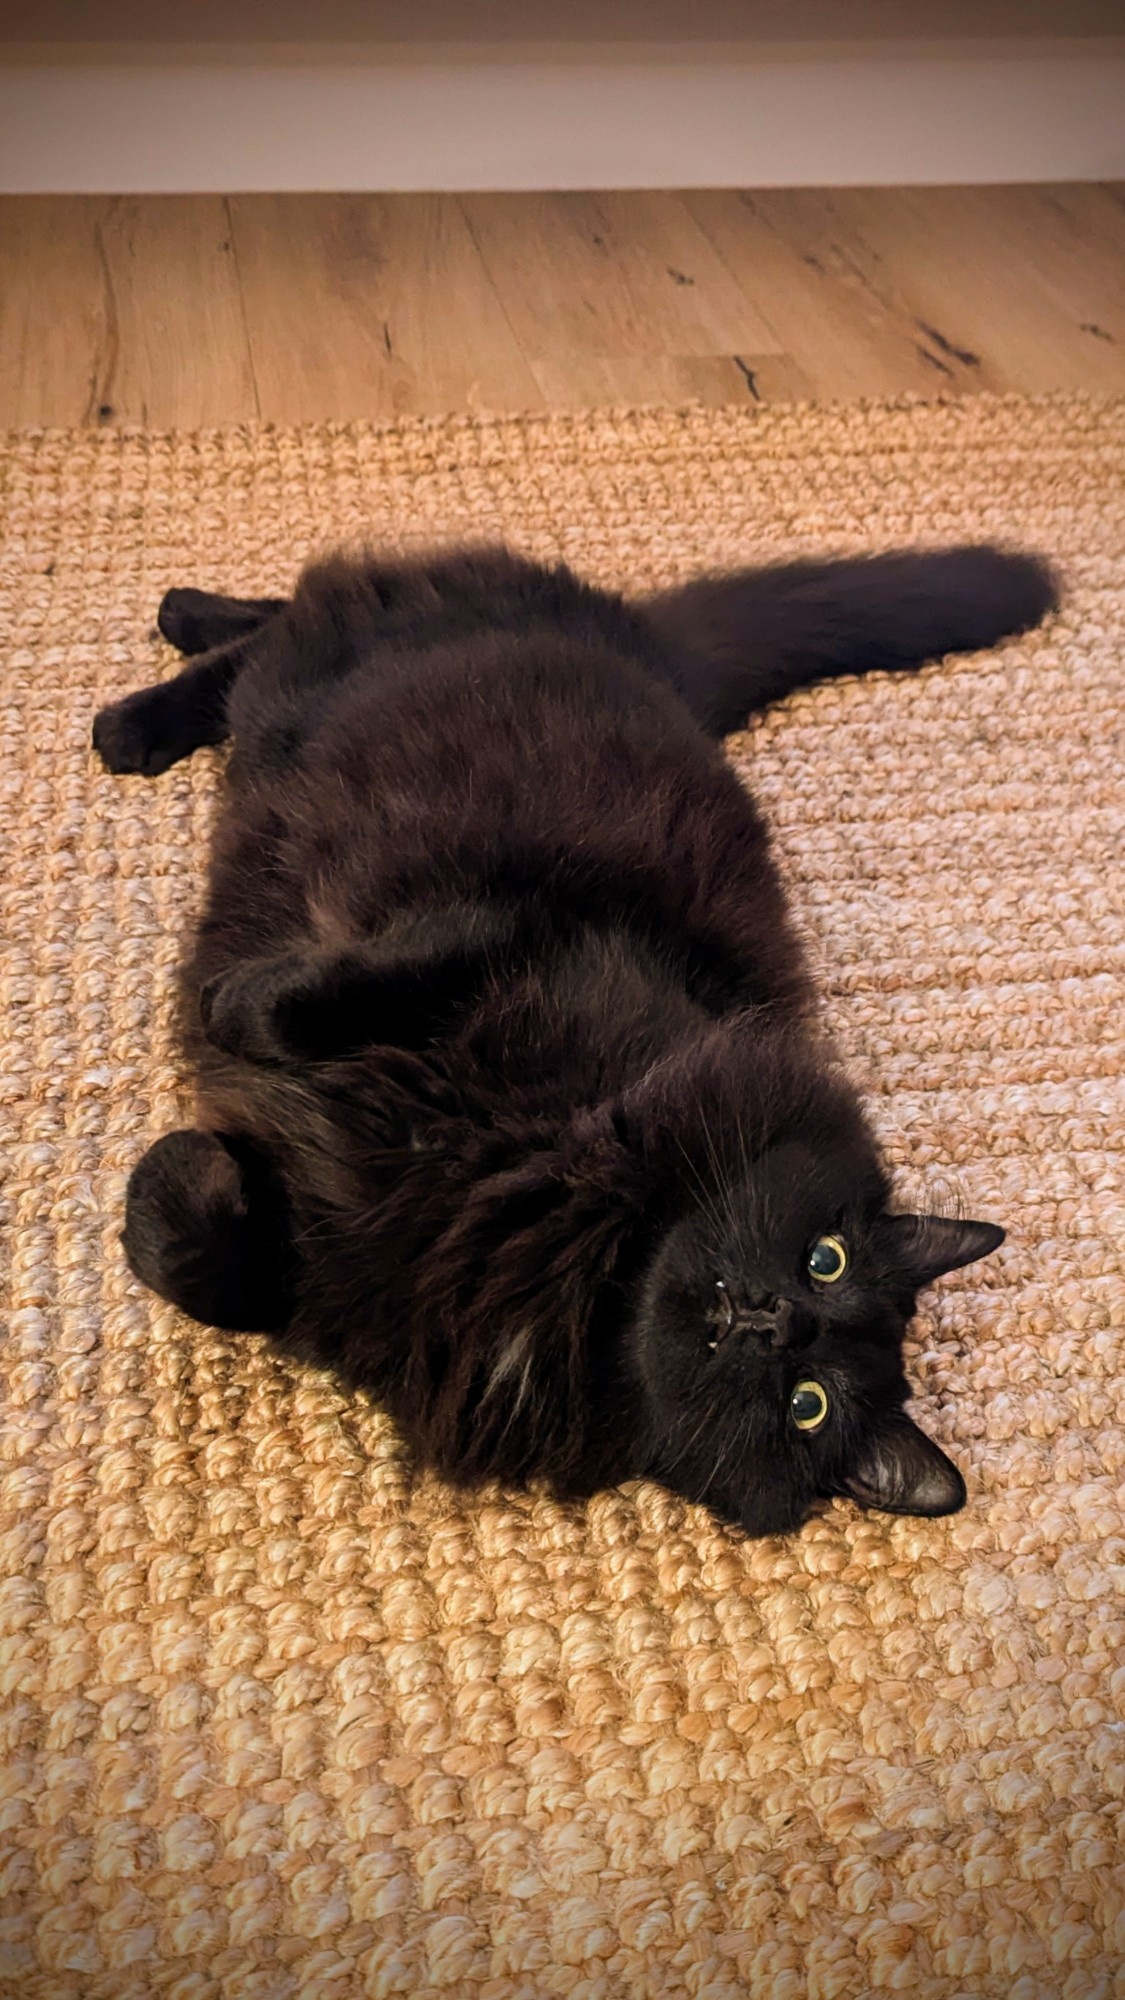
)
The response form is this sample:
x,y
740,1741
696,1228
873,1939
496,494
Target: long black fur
x,y
512,1104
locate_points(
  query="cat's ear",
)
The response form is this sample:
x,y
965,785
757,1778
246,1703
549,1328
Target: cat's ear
x,y
926,1246
901,1471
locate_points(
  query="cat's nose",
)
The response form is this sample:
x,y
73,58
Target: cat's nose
x,y
774,1322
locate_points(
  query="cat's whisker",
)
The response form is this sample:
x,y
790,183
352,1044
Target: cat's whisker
x,y
707,1419
733,1452
710,1205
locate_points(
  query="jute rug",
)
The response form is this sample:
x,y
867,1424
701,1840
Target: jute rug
x,y
281,1722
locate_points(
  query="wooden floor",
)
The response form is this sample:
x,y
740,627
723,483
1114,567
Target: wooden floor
x,y
194,310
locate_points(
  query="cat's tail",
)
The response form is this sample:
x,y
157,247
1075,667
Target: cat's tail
x,y
738,642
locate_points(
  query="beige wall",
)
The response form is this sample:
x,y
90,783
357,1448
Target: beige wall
x,y
392,119
523,21
117,96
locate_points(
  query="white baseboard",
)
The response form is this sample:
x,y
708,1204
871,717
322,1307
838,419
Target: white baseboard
x,y
518,118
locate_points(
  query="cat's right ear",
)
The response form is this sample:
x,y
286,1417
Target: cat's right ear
x,y
902,1471
927,1246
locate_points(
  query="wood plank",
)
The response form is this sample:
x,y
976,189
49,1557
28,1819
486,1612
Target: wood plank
x,y
174,308
371,306
53,331
844,335
826,228
1096,210
570,382
144,310
1072,242
121,310
612,275
976,260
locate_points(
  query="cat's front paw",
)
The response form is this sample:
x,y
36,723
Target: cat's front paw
x,y
237,1010
299,1007
136,737
206,1228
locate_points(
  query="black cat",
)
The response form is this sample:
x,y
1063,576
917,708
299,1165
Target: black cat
x,y
512,1105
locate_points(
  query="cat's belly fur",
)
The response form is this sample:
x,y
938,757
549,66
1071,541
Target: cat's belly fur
x,y
569,782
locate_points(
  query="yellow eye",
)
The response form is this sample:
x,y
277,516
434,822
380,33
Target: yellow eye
x,y
808,1406
827,1260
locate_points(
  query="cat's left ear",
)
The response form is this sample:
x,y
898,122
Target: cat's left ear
x,y
926,1246
902,1471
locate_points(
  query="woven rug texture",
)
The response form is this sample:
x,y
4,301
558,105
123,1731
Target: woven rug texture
x,y
280,1720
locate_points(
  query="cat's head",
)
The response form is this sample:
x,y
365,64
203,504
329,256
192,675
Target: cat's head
x,y
767,1338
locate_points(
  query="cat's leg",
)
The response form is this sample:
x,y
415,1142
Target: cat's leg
x,y
402,991
196,621
205,1228
152,729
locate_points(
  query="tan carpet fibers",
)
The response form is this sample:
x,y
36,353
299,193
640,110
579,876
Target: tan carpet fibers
x,y
278,1722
